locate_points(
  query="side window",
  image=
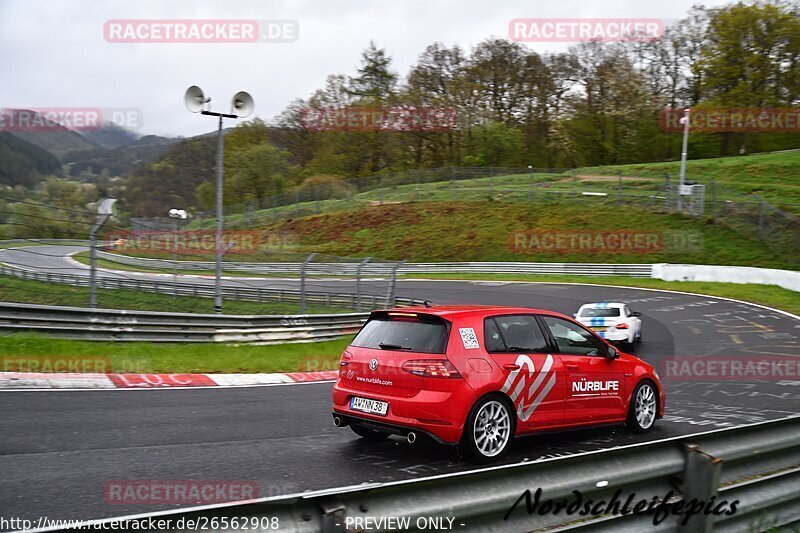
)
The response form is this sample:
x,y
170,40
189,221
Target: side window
x,y
518,333
491,336
572,339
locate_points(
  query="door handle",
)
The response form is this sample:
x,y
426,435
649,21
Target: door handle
x,y
571,367
511,366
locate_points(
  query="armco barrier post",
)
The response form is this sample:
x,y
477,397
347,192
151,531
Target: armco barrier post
x,y
390,294
700,483
303,282
358,282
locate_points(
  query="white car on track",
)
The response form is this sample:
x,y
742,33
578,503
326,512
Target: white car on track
x,y
612,321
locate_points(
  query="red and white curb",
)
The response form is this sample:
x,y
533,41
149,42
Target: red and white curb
x,y
34,380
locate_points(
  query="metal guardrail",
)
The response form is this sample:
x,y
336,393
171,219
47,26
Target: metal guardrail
x,y
117,325
65,242
376,268
253,294
754,465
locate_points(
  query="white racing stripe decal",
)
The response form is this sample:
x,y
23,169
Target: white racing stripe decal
x,y
542,395
526,403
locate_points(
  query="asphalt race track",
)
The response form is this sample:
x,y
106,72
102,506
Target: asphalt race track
x,y
59,448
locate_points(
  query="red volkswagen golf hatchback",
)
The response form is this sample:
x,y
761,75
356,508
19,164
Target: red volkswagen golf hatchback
x,y
477,376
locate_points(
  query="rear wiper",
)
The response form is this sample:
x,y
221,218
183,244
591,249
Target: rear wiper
x,y
386,346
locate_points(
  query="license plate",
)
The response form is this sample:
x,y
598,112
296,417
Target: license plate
x,y
600,328
366,405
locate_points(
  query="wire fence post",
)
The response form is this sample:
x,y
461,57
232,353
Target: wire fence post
x,y
574,182
619,189
316,196
380,188
390,293
358,282
416,188
491,183
530,184
452,183
303,282
713,199
667,192
297,204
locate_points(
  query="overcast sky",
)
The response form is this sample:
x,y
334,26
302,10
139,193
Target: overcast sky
x,y
54,53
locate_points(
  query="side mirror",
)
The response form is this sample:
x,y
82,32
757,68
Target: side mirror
x,y
574,315
611,352
636,313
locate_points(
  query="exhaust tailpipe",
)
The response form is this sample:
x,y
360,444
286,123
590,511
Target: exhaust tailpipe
x,y
411,437
337,421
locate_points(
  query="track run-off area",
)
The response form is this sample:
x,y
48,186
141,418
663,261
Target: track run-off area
x,y
60,448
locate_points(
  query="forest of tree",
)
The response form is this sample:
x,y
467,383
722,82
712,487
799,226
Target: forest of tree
x,y
595,104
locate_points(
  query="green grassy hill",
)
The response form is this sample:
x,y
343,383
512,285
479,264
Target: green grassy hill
x,y
474,219
486,231
774,177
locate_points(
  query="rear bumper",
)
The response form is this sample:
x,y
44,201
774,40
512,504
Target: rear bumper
x,y
614,336
392,429
439,414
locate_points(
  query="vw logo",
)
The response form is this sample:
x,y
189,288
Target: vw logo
x,y
373,365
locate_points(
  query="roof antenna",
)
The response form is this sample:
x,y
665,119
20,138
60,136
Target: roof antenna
x,y
427,303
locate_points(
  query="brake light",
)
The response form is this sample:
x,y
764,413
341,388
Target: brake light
x,y
432,368
403,317
346,359
622,326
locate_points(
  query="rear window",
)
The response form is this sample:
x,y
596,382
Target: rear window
x,y
600,311
408,333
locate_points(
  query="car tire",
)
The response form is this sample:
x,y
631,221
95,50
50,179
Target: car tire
x,y
489,429
643,407
369,434
638,338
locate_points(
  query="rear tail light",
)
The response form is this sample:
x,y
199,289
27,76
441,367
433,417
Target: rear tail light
x,y
432,368
622,326
346,359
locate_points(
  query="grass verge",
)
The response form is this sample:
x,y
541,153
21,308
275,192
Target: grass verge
x,y
176,358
